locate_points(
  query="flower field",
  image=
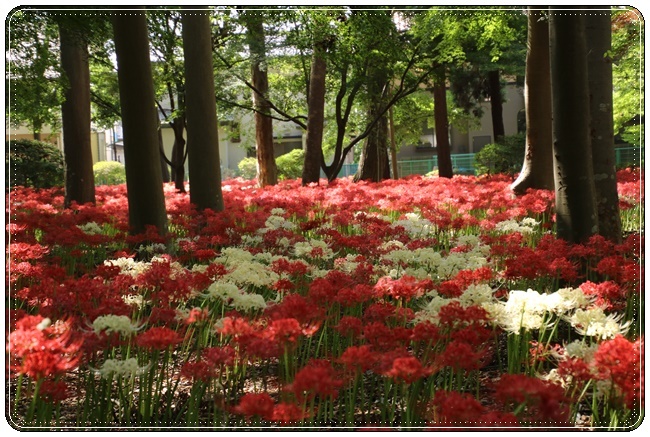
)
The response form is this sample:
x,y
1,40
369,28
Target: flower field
x,y
421,303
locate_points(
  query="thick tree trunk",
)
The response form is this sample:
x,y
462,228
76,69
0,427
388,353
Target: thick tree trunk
x,y
140,123
599,43
201,110
374,155
373,163
537,169
267,172
575,200
75,112
441,120
315,118
496,105
37,136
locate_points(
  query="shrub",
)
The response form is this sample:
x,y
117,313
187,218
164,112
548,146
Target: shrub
x,y
505,156
109,173
248,168
33,164
290,164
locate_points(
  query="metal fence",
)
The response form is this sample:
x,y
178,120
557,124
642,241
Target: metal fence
x,y
464,163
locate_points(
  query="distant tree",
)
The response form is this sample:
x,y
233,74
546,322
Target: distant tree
x,y
322,40
140,122
34,90
441,119
599,44
575,198
202,126
537,170
166,45
266,166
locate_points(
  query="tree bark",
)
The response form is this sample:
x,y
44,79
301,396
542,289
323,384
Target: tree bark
x,y
393,146
575,200
537,169
441,120
496,105
178,153
267,172
315,118
201,111
75,113
374,155
599,43
139,123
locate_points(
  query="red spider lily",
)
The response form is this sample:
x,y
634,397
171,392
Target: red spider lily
x,y
54,391
546,401
406,287
288,414
349,297
158,338
408,370
25,252
294,306
383,338
219,356
259,405
198,371
358,358
318,377
39,350
452,408
455,316
349,326
620,361
576,368
462,356
197,315
284,331
609,295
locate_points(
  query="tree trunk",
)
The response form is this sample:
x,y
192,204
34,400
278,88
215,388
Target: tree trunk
x,y
373,163
201,111
575,200
75,113
537,169
599,43
374,155
139,123
164,169
267,172
315,118
496,105
178,154
441,120
393,146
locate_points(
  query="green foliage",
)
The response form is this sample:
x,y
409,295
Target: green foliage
x,y
109,173
290,164
627,58
248,168
33,164
503,157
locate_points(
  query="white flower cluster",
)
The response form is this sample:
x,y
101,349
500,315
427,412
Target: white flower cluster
x,y
415,225
525,226
128,367
425,262
128,266
304,249
593,322
478,294
90,228
231,295
113,323
530,309
276,222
